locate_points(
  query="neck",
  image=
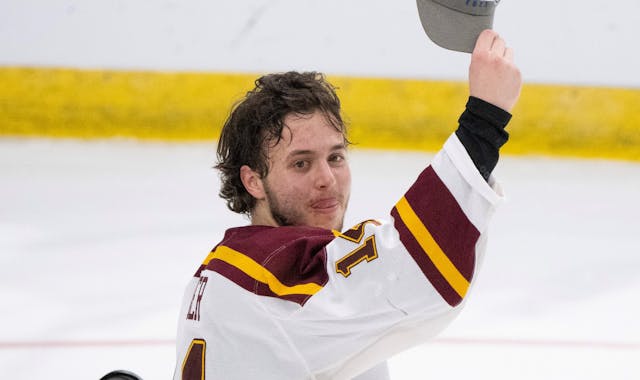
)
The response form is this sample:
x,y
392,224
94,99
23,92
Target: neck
x,y
261,216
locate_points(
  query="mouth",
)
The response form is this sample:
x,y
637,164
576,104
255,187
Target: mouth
x,y
326,205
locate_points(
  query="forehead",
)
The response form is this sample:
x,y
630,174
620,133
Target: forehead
x,y
313,132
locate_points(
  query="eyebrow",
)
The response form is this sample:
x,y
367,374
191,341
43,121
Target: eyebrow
x,y
306,152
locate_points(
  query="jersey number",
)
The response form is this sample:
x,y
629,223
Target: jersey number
x,y
193,364
365,252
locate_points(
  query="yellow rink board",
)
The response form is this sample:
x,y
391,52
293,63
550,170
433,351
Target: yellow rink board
x,y
382,113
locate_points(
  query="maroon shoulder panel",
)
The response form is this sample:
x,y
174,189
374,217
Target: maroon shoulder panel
x,y
294,255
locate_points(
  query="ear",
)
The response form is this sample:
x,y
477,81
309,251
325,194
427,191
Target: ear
x,y
252,182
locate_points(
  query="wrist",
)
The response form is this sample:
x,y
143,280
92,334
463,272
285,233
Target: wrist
x,y
488,111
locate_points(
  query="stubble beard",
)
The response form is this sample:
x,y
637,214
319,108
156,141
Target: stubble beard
x,y
288,216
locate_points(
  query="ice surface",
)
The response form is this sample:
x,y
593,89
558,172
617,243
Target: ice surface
x,y
98,240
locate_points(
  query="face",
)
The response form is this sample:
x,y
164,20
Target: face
x,y
309,179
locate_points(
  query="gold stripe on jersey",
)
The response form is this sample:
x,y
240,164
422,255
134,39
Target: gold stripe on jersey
x,y
259,273
431,248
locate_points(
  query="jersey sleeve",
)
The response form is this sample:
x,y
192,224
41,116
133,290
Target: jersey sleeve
x,y
394,284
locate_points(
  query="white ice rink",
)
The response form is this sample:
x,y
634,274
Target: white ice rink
x,y
98,240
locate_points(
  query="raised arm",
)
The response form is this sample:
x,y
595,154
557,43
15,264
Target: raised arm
x,y
493,76
494,88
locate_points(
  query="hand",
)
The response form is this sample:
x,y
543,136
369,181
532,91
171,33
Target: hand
x,y
493,77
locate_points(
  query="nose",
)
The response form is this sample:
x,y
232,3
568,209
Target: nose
x,y
324,176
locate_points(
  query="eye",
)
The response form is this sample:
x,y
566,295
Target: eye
x,y
300,164
336,158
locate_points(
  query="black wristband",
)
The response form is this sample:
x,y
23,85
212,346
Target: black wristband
x,y
481,131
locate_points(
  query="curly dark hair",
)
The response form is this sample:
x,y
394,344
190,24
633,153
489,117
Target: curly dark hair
x,y
258,119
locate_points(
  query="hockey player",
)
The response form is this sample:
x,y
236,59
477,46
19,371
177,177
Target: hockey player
x,y
295,295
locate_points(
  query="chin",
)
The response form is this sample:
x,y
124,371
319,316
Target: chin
x,y
331,225
326,221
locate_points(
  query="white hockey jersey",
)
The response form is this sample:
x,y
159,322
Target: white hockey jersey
x,y
276,303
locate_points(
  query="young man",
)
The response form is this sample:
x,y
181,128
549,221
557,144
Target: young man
x,y
291,297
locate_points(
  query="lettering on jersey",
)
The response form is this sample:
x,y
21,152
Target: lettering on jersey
x,y
193,364
365,252
356,232
194,306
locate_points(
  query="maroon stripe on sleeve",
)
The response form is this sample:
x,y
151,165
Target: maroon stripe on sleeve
x,y
424,263
443,217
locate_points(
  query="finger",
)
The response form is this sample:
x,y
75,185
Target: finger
x,y
485,40
498,46
508,54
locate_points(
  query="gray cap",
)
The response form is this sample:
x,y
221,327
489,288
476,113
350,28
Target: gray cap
x,y
456,24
